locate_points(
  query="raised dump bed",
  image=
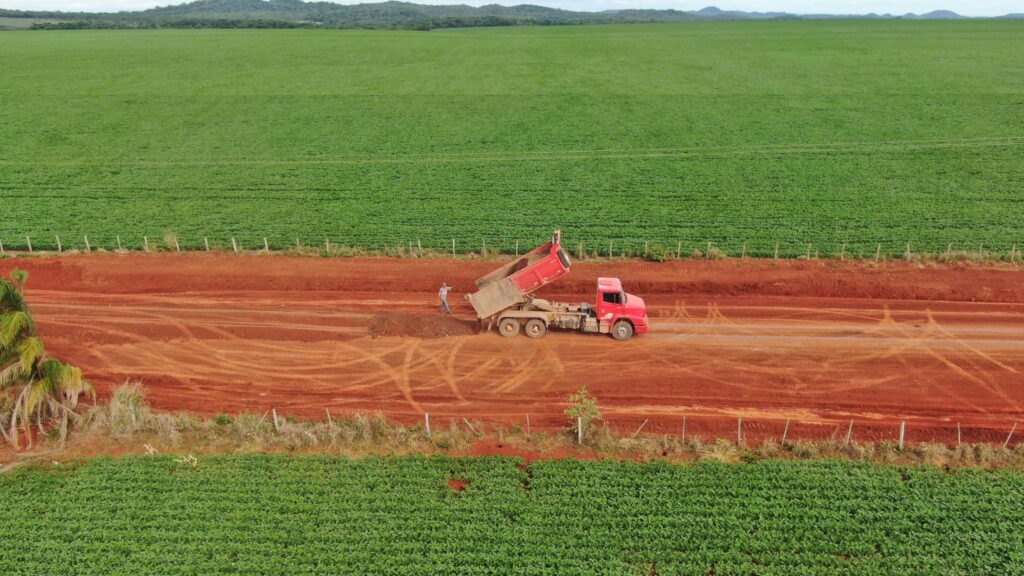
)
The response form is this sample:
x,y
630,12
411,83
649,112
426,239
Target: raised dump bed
x,y
512,284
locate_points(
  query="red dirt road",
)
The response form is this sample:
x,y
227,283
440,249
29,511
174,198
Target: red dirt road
x,y
816,342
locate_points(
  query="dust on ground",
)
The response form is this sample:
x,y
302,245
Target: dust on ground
x,y
421,325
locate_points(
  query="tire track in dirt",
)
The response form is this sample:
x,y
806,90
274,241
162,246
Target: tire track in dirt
x,y
213,334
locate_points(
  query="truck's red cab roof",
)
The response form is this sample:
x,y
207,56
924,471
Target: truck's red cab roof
x,y
609,285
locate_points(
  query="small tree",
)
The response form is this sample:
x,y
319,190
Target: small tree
x,y
582,410
42,387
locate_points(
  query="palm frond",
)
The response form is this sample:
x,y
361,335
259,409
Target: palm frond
x,y
11,374
14,326
11,291
30,351
59,383
41,392
74,386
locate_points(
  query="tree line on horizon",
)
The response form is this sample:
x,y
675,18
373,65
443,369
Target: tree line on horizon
x,y
395,15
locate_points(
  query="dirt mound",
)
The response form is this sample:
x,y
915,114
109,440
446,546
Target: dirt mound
x,y
420,325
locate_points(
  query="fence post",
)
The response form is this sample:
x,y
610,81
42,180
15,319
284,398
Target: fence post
x,y
327,244
808,251
776,250
679,249
453,247
119,243
419,247
849,433
785,431
59,249
274,414
739,430
266,247
206,242
29,242
426,422
234,245
1010,435
145,243
517,248
645,247
2,253
957,433
842,252
684,429
329,421
878,252
297,245
908,255
579,430
610,248
640,428
88,248
903,426
743,254
528,427
177,247
707,255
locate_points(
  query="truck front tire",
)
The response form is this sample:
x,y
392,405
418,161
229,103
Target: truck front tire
x,y
622,330
536,328
508,327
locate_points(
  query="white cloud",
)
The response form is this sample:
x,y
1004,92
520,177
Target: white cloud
x,y
966,7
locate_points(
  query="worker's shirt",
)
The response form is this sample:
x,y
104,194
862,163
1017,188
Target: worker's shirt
x,y
443,292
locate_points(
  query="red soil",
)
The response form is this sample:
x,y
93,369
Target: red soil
x,y
816,342
421,325
456,485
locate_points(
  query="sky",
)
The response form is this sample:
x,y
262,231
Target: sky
x,y
965,7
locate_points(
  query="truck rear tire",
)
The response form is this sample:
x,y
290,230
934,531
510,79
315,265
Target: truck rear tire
x,y
508,327
536,328
622,330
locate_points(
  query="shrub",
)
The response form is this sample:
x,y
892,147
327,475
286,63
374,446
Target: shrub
x,y
582,410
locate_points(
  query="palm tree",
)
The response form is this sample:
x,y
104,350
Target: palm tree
x,y
43,387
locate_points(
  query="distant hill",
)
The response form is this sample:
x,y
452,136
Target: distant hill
x,y
296,13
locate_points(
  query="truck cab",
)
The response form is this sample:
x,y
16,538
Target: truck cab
x,y
619,313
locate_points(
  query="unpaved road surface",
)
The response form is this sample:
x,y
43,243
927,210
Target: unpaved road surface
x,y
818,343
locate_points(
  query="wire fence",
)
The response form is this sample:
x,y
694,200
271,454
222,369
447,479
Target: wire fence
x,y
609,249
752,431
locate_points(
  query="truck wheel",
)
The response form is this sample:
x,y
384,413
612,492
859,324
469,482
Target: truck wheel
x,y
508,327
622,330
536,328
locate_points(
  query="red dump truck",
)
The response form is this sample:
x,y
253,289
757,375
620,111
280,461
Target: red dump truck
x,y
503,297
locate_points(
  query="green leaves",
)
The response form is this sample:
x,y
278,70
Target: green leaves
x,y
284,515
821,133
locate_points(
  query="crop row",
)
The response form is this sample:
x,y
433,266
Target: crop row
x,y
868,135
266,514
822,204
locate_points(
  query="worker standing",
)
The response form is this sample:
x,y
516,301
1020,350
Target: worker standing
x,y
443,295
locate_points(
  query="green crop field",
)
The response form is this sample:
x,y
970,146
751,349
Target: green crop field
x,y
281,515
854,132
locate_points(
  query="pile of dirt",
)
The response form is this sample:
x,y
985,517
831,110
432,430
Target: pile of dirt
x,y
421,325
